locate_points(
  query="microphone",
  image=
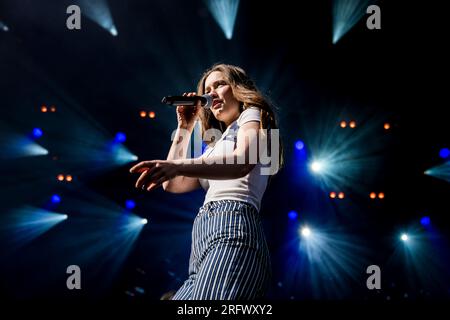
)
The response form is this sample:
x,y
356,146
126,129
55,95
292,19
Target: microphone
x,y
206,100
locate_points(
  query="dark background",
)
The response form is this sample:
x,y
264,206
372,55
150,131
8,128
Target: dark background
x,y
99,83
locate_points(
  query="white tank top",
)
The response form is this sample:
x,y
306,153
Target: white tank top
x,y
249,188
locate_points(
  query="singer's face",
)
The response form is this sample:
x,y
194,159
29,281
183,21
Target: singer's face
x,y
225,106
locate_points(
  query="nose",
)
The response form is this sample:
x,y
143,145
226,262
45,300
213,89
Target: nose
x,y
213,93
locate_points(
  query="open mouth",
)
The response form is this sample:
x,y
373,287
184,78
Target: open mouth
x,y
216,103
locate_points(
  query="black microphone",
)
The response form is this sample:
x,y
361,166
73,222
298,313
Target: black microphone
x,y
206,100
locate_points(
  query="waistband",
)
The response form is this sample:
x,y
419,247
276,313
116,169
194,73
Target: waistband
x,y
228,205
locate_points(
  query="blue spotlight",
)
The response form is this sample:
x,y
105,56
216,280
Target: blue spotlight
x,y
15,146
404,237
292,215
318,166
299,145
444,153
3,27
441,171
37,133
120,137
98,11
425,221
122,155
305,232
130,204
347,13
224,12
26,224
56,199
144,221
113,31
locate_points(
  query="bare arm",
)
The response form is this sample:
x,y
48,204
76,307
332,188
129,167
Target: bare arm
x,y
178,150
236,165
156,172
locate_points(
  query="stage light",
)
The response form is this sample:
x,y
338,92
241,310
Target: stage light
x,y
306,232
44,109
317,166
113,31
3,27
65,216
373,195
37,133
56,198
404,237
224,12
130,204
98,11
345,15
144,221
27,223
341,195
143,114
352,124
441,172
120,137
332,195
69,178
52,109
425,221
387,126
151,114
381,195
444,153
292,215
343,124
299,145
60,177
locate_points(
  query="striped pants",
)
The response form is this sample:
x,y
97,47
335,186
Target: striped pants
x,y
229,255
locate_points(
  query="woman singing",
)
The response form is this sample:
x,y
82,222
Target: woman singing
x,y
229,255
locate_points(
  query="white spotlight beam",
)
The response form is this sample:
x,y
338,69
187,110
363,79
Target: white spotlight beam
x,y
347,13
224,12
98,11
440,172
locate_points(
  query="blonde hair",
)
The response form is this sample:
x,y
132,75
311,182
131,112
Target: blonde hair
x,y
246,92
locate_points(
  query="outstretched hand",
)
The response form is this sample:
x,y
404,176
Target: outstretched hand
x,y
154,173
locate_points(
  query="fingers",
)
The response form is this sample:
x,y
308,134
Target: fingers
x,y
149,176
156,184
140,183
142,166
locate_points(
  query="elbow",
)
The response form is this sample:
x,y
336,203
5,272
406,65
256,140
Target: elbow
x,y
245,170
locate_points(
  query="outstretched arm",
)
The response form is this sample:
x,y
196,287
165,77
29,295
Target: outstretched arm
x,y
232,166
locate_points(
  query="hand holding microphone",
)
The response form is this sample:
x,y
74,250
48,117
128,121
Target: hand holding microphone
x,y
191,99
188,108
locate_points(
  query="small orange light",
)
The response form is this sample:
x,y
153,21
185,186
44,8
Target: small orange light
x,y
352,124
341,195
43,109
332,195
381,195
387,126
143,114
60,177
343,124
53,109
373,195
151,114
69,178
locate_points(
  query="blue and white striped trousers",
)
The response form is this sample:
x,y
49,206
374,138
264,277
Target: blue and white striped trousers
x,y
229,254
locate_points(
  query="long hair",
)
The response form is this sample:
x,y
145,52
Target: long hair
x,y
248,95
